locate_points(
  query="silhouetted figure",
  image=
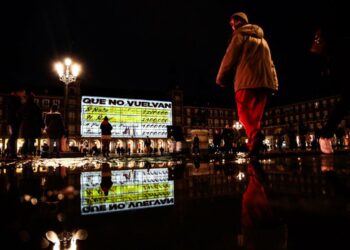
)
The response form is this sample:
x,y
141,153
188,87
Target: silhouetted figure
x,y
54,129
106,179
247,64
303,130
31,124
106,136
227,135
260,226
216,141
340,134
195,145
331,45
13,121
147,143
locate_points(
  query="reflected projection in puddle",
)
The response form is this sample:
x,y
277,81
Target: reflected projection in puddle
x,y
120,190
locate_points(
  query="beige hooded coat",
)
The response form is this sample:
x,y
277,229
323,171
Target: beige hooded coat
x,y
248,61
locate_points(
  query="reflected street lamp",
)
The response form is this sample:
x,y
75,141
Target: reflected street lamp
x,y
67,72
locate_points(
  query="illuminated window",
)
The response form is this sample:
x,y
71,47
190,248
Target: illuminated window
x,y
188,121
178,119
46,103
216,122
56,102
210,122
188,111
317,104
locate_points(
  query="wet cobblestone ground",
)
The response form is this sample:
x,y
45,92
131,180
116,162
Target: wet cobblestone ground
x,y
308,196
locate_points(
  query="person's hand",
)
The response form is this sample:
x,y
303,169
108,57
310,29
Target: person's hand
x,y
221,85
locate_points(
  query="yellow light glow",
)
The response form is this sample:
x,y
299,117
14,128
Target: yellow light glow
x,y
67,61
59,68
75,69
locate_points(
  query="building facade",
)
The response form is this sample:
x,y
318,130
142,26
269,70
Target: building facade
x,y
189,118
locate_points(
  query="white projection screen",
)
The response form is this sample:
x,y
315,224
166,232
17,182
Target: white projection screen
x,y
130,118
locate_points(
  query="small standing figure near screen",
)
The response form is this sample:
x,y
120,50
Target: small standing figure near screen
x,y
106,135
106,180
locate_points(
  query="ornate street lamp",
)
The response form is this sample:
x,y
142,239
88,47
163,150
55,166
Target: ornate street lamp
x,y
67,72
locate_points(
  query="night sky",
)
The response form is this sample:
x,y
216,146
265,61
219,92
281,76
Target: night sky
x,y
156,44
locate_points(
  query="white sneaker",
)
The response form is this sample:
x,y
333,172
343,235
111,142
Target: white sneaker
x,y
326,145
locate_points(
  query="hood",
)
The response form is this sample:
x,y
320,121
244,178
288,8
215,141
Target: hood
x,y
251,30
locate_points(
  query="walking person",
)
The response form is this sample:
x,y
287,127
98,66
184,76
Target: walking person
x,y
106,136
54,128
331,45
247,64
13,121
31,124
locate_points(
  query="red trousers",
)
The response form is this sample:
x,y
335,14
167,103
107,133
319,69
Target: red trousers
x,y
250,108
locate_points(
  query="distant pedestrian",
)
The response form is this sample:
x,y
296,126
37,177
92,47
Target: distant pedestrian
x,y
331,44
248,64
196,144
106,136
31,124
54,128
13,121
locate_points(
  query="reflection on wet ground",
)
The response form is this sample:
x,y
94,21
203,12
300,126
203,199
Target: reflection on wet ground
x,y
176,203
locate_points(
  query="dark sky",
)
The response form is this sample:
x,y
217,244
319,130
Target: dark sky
x,y
154,44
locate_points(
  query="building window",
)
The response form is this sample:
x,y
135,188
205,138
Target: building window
x,y
317,104
318,114
211,112
221,113
56,102
303,116
278,120
71,129
178,119
188,111
215,112
226,113
222,122
46,103
210,122
325,114
311,115
303,107
216,122
188,120
324,103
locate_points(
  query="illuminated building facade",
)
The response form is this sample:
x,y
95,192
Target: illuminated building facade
x,y
187,118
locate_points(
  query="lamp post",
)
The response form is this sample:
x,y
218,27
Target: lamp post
x,y
67,72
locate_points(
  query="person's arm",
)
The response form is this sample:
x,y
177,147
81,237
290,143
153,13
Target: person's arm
x,y
230,61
